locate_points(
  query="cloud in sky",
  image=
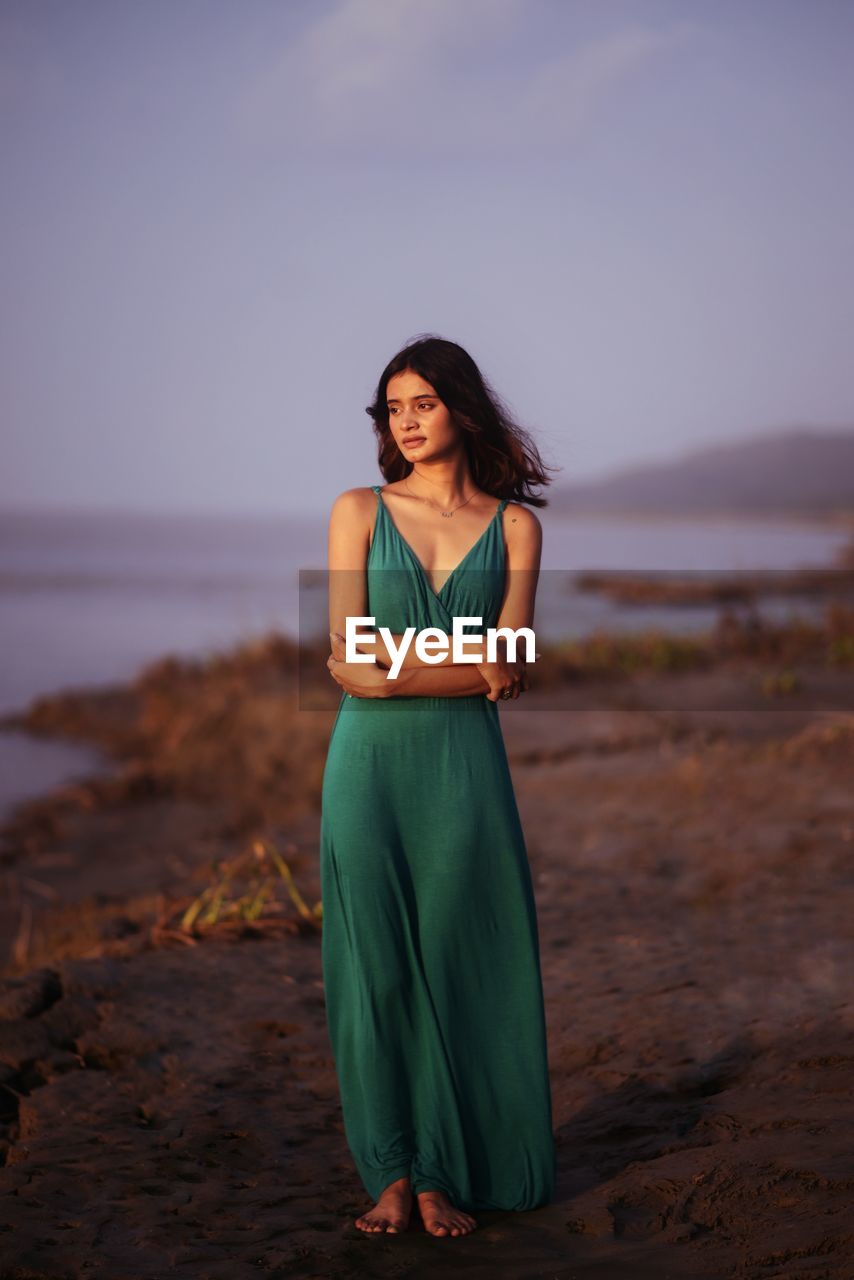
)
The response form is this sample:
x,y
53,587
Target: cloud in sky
x,y
442,76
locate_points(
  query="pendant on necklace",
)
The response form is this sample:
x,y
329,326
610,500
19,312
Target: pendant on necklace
x,y
447,513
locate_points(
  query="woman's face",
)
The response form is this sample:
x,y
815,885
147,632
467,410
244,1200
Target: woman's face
x,y
414,410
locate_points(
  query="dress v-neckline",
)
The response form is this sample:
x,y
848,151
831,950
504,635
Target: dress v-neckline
x,y
457,566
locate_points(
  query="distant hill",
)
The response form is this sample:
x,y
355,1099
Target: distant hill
x,y
796,472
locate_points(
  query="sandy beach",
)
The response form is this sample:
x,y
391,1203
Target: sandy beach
x,y
170,1105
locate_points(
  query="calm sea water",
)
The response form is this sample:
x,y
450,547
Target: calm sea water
x,y
86,599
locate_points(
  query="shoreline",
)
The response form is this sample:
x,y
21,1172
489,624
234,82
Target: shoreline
x,y
43,721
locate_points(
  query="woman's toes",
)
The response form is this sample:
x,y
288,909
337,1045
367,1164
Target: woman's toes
x,y
463,1224
370,1224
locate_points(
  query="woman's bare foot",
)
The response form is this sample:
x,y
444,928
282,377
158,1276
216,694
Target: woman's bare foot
x,y
441,1218
391,1211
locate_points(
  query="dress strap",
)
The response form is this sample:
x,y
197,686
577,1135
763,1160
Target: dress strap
x,y
378,515
502,504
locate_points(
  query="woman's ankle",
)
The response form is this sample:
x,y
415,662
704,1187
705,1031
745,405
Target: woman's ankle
x,y
403,1183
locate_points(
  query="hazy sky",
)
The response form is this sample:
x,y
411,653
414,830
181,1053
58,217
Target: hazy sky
x,y
221,218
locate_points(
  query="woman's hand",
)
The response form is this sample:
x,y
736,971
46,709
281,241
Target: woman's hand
x,y
359,679
502,674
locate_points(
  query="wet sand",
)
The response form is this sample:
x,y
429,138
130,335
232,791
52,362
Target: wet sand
x,y
169,1102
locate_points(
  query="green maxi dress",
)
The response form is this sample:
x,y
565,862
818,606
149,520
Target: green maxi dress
x,y
430,946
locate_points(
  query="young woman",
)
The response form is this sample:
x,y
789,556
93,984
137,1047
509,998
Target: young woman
x,y
430,940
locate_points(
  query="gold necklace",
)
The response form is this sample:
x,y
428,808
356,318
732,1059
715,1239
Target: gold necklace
x,y
433,504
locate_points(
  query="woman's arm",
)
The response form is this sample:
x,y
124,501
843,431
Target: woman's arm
x,y
349,533
384,656
348,548
370,680
523,538
456,680
524,543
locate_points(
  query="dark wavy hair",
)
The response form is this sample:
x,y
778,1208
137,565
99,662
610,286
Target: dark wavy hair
x,y
502,457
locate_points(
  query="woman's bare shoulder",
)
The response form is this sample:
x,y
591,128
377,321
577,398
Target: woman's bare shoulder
x,y
523,535
523,519
356,501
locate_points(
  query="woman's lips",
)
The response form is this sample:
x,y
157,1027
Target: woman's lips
x,y
413,441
